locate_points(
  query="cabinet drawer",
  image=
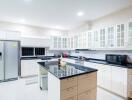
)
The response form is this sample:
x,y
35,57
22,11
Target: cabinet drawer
x,y
88,95
87,83
129,71
89,75
71,98
69,82
130,82
68,93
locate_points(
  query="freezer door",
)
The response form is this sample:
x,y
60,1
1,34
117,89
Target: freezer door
x,y
1,60
11,59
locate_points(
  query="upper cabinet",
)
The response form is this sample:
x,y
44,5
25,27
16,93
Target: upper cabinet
x,y
61,43
111,36
120,35
129,34
103,38
9,35
95,42
115,37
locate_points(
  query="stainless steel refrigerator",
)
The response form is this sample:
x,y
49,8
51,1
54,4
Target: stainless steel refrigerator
x,y
9,60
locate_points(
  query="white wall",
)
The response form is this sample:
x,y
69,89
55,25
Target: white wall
x,y
84,27
121,16
30,31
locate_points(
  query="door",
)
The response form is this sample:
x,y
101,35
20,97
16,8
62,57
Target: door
x,y
11,59
1,60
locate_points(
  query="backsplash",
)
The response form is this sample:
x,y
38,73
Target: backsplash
x,y
101,54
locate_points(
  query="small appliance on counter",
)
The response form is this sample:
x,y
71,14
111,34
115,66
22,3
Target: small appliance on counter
x,y
116,59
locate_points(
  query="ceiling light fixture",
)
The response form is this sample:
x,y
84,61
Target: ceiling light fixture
x,y
80,13
28,1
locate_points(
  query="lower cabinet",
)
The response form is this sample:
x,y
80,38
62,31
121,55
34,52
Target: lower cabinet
x,y
29,68
130,83
82,87
88,95
113,78
119,81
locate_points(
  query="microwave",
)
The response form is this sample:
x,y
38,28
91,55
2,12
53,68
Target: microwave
x,y
116,59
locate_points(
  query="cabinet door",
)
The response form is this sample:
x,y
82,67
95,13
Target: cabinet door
x,y
102,38
72,43
55,42
2,35
129,34
10,35
89,40
88,95
76,42
104,78
59,43
111,36
119,80
29,68
95,43
85,40
107,77
120,35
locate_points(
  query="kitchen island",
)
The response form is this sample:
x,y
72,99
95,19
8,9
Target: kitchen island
x,y
70,81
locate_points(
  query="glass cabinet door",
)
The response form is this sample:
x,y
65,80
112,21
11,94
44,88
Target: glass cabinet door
x,y
130,34
55,42
89,40
59,43
120,32
95,39
111,37
102,38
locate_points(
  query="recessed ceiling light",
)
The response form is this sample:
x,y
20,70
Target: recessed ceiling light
x,y
28,1
80,13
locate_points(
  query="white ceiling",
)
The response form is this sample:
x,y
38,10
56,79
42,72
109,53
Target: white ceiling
x,y
61,14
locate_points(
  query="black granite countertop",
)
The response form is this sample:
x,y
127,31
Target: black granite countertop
x,y
101,61
41,57
69,70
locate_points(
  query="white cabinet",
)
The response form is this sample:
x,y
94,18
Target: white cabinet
x,y
102,38
111,36
95,43
61,43
9,35
89,40
35,42
120,35
76,42
129,36
29,68
119,81
2,35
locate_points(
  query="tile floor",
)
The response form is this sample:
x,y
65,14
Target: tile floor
x,y
18,90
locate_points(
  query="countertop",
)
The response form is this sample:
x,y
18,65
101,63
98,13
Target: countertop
x,y
69,70
100,61
41,57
